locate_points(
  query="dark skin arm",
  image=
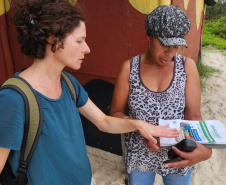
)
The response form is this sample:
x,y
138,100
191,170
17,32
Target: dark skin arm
x,y
121,92
192,112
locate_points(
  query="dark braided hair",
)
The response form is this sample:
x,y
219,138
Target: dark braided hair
x,y
37,20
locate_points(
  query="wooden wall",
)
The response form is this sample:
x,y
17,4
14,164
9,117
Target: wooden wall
x,y
115,33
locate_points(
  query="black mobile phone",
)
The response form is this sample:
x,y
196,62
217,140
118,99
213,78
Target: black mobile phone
x,y
185,145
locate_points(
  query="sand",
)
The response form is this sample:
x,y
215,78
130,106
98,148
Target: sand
x,y
107,168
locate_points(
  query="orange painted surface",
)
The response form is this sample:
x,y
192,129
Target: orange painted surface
x,y
115,33
6,65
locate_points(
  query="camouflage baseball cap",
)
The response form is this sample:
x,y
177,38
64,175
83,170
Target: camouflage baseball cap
x,y
169,24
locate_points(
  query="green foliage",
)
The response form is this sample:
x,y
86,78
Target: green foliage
x,y
214,32
210,39
205,72
216,10
216,27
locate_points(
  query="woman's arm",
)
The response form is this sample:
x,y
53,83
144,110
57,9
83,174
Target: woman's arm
x,y
121,92
118,109
120,99
192,112
4,153
116,125
192,92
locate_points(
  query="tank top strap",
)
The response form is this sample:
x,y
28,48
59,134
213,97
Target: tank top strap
x,y
180,63
135,67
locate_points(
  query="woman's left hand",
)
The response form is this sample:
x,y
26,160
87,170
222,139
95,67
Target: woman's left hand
x,y
201,153
153,147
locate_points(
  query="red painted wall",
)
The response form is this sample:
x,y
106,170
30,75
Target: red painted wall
x,y
115,33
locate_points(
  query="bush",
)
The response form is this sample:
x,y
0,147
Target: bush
x,y
214,32
210,39
216,27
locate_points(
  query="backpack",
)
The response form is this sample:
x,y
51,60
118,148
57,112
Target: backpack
x,y
32,128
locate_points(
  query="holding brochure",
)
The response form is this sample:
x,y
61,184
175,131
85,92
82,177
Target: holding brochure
x,y
211,133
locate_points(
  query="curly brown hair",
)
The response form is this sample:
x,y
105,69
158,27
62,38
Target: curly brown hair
x,y
37,20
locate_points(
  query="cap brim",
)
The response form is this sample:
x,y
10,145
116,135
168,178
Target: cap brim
x,y
174,41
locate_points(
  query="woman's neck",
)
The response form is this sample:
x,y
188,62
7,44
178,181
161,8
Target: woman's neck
x,y
43,74
148,59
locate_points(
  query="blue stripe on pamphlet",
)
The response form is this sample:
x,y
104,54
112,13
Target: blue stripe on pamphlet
x,y
196,135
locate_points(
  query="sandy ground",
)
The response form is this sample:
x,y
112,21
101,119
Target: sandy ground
x,y
107,168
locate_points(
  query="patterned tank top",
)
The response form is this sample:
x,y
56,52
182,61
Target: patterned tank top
x,y
150,106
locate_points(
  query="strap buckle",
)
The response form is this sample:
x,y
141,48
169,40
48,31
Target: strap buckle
x,y
22,170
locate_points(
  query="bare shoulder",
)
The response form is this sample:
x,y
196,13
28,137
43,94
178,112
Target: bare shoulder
x,y
190,65
126,65
125,70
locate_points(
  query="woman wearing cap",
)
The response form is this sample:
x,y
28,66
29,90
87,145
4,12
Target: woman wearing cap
x,y
53,33
159,84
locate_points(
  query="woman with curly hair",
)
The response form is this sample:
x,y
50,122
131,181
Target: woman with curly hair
x,y
53,33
